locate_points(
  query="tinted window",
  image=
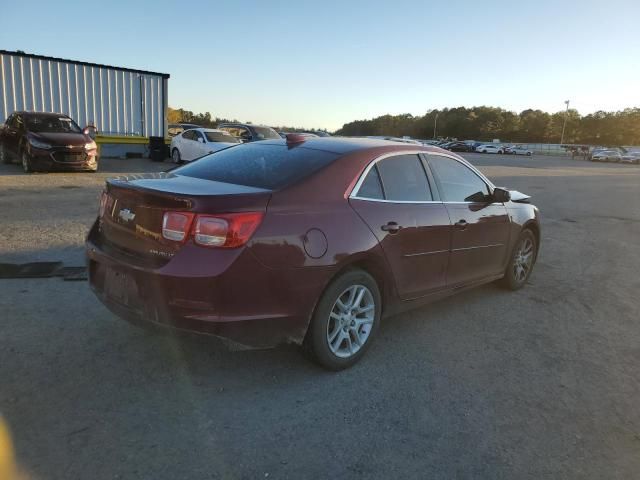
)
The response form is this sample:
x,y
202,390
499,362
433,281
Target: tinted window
x,y
256,165
403,179
220,137
188,135
197,135
238,132
371,187
458,183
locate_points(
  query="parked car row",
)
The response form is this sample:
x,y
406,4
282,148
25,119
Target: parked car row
x,y
618,154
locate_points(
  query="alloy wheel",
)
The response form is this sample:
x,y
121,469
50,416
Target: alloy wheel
x,y
350,321
523,260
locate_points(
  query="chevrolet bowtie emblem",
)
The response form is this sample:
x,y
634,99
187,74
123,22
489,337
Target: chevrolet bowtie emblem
x,y
126,215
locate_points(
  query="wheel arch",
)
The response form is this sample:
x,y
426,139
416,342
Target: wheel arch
x,y
535,229
370,264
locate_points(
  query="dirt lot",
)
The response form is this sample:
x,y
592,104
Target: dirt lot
x,y
541,383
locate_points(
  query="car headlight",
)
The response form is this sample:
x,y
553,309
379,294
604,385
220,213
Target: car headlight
x,y
90,146
38,144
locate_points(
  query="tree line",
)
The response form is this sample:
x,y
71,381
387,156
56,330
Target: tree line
x,y
488,123
206,120
479,123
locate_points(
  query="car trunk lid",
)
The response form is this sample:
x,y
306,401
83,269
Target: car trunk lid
x,y
134,207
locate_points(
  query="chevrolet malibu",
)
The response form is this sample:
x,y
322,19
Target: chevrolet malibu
x,y
305,240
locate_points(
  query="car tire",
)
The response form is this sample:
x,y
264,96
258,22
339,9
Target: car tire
x,y
25,159
528,154
337,337
175,156
518,269
4,156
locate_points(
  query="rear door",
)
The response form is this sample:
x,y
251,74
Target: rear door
x,y
395,200
480,230
187,145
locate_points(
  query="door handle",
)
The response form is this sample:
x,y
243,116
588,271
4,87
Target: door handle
x,y
391,227
461,224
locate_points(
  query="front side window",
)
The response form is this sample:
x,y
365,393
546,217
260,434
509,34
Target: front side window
x,y
400,178
457,182
197,136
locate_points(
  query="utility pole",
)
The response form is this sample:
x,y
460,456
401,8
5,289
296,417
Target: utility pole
x,y
564,124
435,125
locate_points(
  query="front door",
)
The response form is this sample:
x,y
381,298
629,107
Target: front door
x,y
480,227
395,201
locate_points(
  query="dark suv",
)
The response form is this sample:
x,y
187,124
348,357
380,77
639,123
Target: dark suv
x,y
47,141
249,133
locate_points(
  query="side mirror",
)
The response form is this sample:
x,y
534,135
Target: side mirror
x,y
501,195
90,130
201,140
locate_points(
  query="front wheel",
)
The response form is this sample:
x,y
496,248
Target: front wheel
x,y
26,162
345,320
522,261
4,156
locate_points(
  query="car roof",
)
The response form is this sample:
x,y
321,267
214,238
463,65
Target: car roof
x,y
247,125
343,145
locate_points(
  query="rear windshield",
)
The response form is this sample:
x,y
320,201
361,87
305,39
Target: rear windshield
x,y
262,166
220,137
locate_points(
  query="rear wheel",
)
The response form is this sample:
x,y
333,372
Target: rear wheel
x,y
175,155
521,262
26,162
345,320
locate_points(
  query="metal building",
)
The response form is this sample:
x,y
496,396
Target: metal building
x,y
118,101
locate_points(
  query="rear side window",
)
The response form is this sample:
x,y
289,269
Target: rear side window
x,y
257,165
371,187
404,179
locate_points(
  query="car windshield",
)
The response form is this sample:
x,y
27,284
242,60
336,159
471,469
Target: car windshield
x,y
51,124
265,133
220,137
262,166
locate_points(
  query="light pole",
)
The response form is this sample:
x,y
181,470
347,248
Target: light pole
x,y
564,124
435,125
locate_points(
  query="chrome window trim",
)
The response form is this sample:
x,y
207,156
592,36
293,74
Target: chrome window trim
x,y
363,175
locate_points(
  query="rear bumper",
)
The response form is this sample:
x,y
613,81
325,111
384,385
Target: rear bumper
x,y
237,298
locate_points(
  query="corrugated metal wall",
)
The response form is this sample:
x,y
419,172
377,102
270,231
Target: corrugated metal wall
x,y
117,102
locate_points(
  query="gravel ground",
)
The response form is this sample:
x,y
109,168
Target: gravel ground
x,y
541,383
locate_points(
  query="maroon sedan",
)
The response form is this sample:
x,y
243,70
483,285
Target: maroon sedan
x,y
42,141
305,240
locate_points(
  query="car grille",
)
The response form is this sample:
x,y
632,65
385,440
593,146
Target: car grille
x,y
69,157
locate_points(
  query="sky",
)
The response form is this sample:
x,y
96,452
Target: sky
x,y
320,64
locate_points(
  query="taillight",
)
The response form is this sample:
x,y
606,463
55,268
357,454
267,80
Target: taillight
x,y
176,225
103,204
229,231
